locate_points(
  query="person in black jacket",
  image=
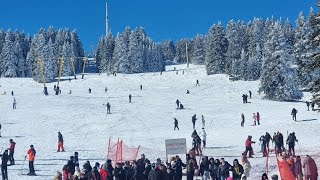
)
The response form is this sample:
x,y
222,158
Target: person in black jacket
x,y
119,172
204,168
178,168
76,159
110,169
128,170
214,169
153,173
71,166
237,170
175,124
224,169
170,174
141,167
4,165
147,168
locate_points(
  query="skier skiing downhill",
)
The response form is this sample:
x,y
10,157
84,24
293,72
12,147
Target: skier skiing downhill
x,y
242,120
294,114
249,149
11,153
175,124
254,117
203,122
60,142
194,119
31,153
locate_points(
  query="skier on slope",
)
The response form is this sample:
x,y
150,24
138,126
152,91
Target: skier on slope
x,y
294,114
31,153
14,103
308,104
178,103
291,143
89,90
60,142
250,94
130,98
263,143
242,120
197,84
258,118
248,145
11,153
312,105
106,90
108,108
254,117
175,124
141,87
194,119
203,122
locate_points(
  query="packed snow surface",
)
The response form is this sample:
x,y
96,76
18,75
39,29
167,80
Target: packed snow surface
x,y
147,121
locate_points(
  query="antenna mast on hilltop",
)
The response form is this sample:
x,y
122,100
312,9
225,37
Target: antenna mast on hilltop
x,y
107,19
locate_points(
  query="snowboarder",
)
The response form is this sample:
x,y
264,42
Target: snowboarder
x,y
197,84
254,117
188,92
175,124
60,142
291,140
258,118
12,94
242,120
181,106
178,103
14,103
31,153
70,92
108,108
130,98
194,119
308,104
203,135
203,122
89,90
294,114
11,153
249,147
250,94
312,105
106,90
4,165
141,87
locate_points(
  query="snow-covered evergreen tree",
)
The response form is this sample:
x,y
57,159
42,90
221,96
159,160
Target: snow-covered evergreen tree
x,y
136,50
254,65
168,50
197,55
278,79
120,55
8,57
217,45
233,54
180,56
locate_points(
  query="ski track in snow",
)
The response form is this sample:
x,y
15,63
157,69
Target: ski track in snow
x,y
147,121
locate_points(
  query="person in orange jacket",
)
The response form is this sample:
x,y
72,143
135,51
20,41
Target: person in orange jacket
x,y
31,156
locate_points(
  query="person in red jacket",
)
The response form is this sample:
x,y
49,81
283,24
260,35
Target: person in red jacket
x,y
249,147
103,173
60,142
32,154
12,146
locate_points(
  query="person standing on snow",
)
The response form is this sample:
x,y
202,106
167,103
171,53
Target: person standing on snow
x,y
175,124
294,114
291,140
108,108
197,84
254,117
178,103
203,122
312,105
194,119
4,165
12,146
308,104
31,153
263,143
130,98
203,135
250,94
310,168
141,87
60,142
248,145
268,138
14,103
242,120
89,90
258,118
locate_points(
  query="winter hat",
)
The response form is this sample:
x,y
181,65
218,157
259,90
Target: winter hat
x,y
274,177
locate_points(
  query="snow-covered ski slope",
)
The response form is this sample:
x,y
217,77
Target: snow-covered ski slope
x,y
147,121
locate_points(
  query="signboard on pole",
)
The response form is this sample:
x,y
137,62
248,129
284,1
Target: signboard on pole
x,y
176,146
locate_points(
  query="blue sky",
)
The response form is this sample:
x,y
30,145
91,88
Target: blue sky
x,y
162,19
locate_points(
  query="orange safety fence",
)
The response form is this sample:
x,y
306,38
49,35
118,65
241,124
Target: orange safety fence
x,y
119,152
284,169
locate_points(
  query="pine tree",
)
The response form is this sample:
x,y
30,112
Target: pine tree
x,y
8,58
181,51
135,55
233,54
169,50
278,79
120,56
197,55
217,45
